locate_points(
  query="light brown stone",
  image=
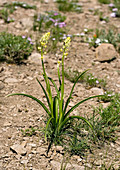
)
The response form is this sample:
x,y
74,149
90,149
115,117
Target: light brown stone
x,y
105,52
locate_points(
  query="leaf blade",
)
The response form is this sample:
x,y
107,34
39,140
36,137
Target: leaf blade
x,y
32,97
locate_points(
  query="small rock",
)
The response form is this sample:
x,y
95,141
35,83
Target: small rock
x,y
97,91
98,162
118,142
1,85
118,85
79,159
59,148
105,105
24,162
118,149
33,145
46,1
35,58
33,152
88,165
100,154
1,69
74,166
71,104
24,143
18,25
105,52
11,80
112,144
55,165
7,124
41,151
26,22
19,149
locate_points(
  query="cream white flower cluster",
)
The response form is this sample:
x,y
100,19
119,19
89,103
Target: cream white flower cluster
x,y
44,39
43,43
66,46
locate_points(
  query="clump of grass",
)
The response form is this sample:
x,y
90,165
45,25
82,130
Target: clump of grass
x,y
9,8
13,48
103,18
67,6
87,78
104,1
15,4
106,120
29,131
4,14
108,96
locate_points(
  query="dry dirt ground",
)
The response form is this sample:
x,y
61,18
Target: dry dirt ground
x,y
17,113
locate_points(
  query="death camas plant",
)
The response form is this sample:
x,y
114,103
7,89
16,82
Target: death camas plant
x,y
59,119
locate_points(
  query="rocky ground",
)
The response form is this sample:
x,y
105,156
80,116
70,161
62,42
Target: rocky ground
x,y
18,152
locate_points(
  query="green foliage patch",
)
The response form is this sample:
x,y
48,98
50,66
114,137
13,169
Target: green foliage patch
x,y
87,78
67,6
9,8
51,21
101,36
14,48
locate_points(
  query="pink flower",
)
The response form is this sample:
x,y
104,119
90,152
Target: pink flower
x,y
51,19
55,24
114,9
23,36
111,5
62,24
55,13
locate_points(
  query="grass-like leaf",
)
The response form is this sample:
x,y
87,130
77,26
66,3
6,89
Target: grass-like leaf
x,y
32,97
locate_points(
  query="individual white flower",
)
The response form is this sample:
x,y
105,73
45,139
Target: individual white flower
x,y
97,82
97,41
113,14
106,40
85,30
82,34
78,34
109,95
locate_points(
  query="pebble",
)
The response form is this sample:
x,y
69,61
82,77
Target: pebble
x,y
55,164
118,142
11,80
97,91
41,151
32,145
24,162
19,149
35,58
59,148
1,85
118,149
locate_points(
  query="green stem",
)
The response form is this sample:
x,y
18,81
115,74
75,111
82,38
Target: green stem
x,y
47,82
62,92
62,88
